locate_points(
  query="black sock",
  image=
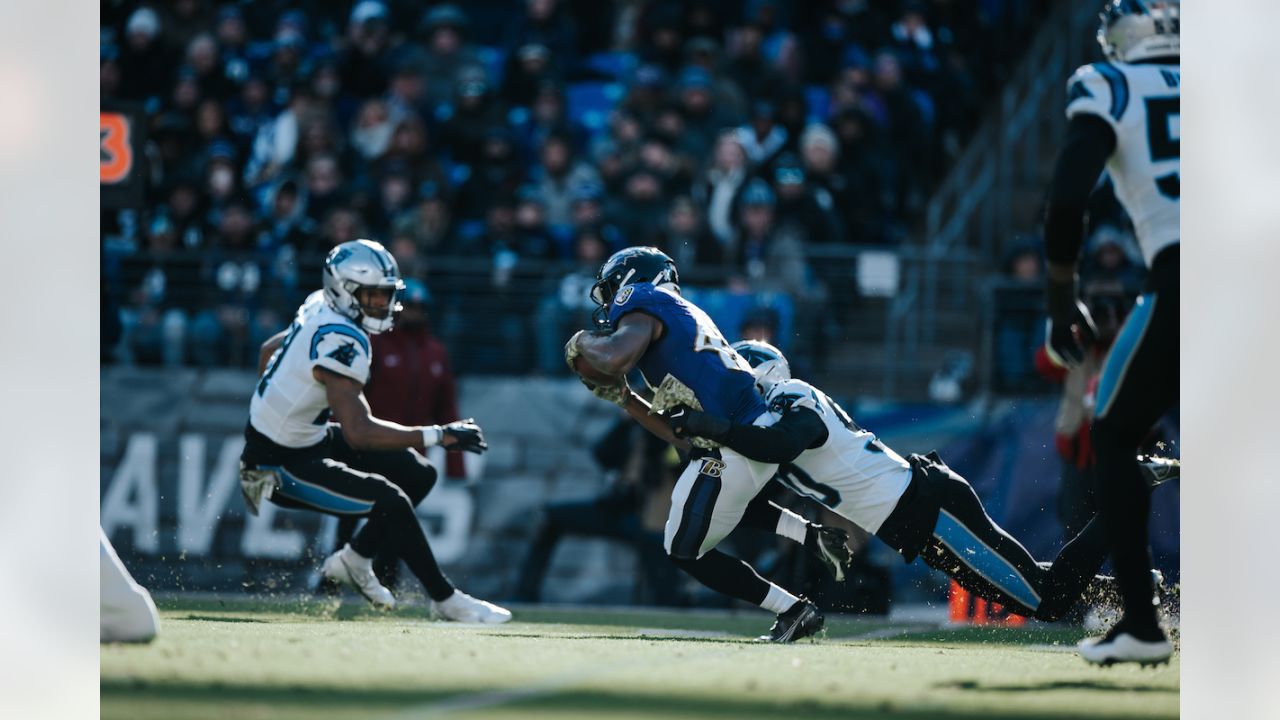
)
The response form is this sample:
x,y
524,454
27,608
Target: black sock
x,y
1124,508
1072,571
727,575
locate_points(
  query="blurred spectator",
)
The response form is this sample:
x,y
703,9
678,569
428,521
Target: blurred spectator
x,y
324,188
527,69
410,377
568,306
365,60
474,115
703,117
799,205
446,55
748,66
561,175
684,236
145,63
717,189
533,240
819,151
868,172
497,173
704,52
161,287
762,138
1019,330
639,211
428,225
546,23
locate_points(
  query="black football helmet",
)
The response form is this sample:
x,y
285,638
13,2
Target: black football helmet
x,y
627,266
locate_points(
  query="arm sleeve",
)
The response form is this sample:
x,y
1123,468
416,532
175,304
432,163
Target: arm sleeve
x,y
1090,141
798,430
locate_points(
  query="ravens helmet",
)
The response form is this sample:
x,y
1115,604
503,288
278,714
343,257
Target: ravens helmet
x,y
625,267
1133,30
768,365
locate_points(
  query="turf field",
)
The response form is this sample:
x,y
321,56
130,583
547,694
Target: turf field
x,y
314,660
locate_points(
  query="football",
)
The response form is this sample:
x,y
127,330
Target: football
x,y
588,372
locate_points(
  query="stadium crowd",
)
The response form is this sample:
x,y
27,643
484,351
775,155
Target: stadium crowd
x,y
521,138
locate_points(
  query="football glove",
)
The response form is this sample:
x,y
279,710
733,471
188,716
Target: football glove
x,y
616,394
1070,331
467,436
572,351
257,484
687,422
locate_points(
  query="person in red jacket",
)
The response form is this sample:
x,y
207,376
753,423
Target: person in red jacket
x,y
410,382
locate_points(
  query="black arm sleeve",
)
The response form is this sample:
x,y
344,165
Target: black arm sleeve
x,y
797,431
1090,141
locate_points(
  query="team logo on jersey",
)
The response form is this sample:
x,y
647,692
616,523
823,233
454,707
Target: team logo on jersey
x,y
623,295
711,467
345,354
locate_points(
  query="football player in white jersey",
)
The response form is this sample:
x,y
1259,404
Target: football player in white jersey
x,y
362,466
918,506
1124,117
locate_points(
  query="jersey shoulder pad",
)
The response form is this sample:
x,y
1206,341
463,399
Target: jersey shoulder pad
x,y
1100,89
640,296
342,348
791,395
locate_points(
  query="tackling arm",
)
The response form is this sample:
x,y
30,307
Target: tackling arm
x,y
798,430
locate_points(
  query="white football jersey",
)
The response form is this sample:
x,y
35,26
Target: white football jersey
x,y
852,473
1141,104
289,405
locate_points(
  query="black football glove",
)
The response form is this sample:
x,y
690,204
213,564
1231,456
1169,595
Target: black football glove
x,y
687,422
467,436
1071,331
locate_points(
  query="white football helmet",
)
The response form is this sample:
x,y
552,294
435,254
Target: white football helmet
x,y
768,365
1133,30
356,264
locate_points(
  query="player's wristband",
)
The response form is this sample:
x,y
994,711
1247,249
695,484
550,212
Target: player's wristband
x,y
432,435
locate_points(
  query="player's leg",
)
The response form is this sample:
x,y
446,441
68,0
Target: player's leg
x,y
707,503
968,545
1139,384
128,613
830,545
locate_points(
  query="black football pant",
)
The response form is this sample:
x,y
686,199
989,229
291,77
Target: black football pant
x,y
965,543
1139,384
383,486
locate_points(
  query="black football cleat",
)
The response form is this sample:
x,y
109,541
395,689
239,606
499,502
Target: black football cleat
x,y
1126,642
1158,470
831,546
802,620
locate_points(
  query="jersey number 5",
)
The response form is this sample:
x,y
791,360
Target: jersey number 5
x,y
1162,113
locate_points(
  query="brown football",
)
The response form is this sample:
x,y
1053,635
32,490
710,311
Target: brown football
x,y
588,372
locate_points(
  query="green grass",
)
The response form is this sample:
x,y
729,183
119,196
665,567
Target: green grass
x,y
322,661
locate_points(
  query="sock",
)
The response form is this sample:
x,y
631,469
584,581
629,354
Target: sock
x,y
778,600
791,525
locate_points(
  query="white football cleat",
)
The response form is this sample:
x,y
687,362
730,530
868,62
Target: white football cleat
x,y
347,567
461,607
1120,646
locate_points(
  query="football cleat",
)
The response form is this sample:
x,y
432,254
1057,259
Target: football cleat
x,y
1158,470
1124,644
831,546
802,620
461,607
347,567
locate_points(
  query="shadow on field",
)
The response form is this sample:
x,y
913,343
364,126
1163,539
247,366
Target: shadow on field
x,y
1054,685
224,619
655,638
124,698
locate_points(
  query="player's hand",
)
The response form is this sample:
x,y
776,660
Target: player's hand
x,y
465,435
571,349
1068,338
1070,332
687,422
616,394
